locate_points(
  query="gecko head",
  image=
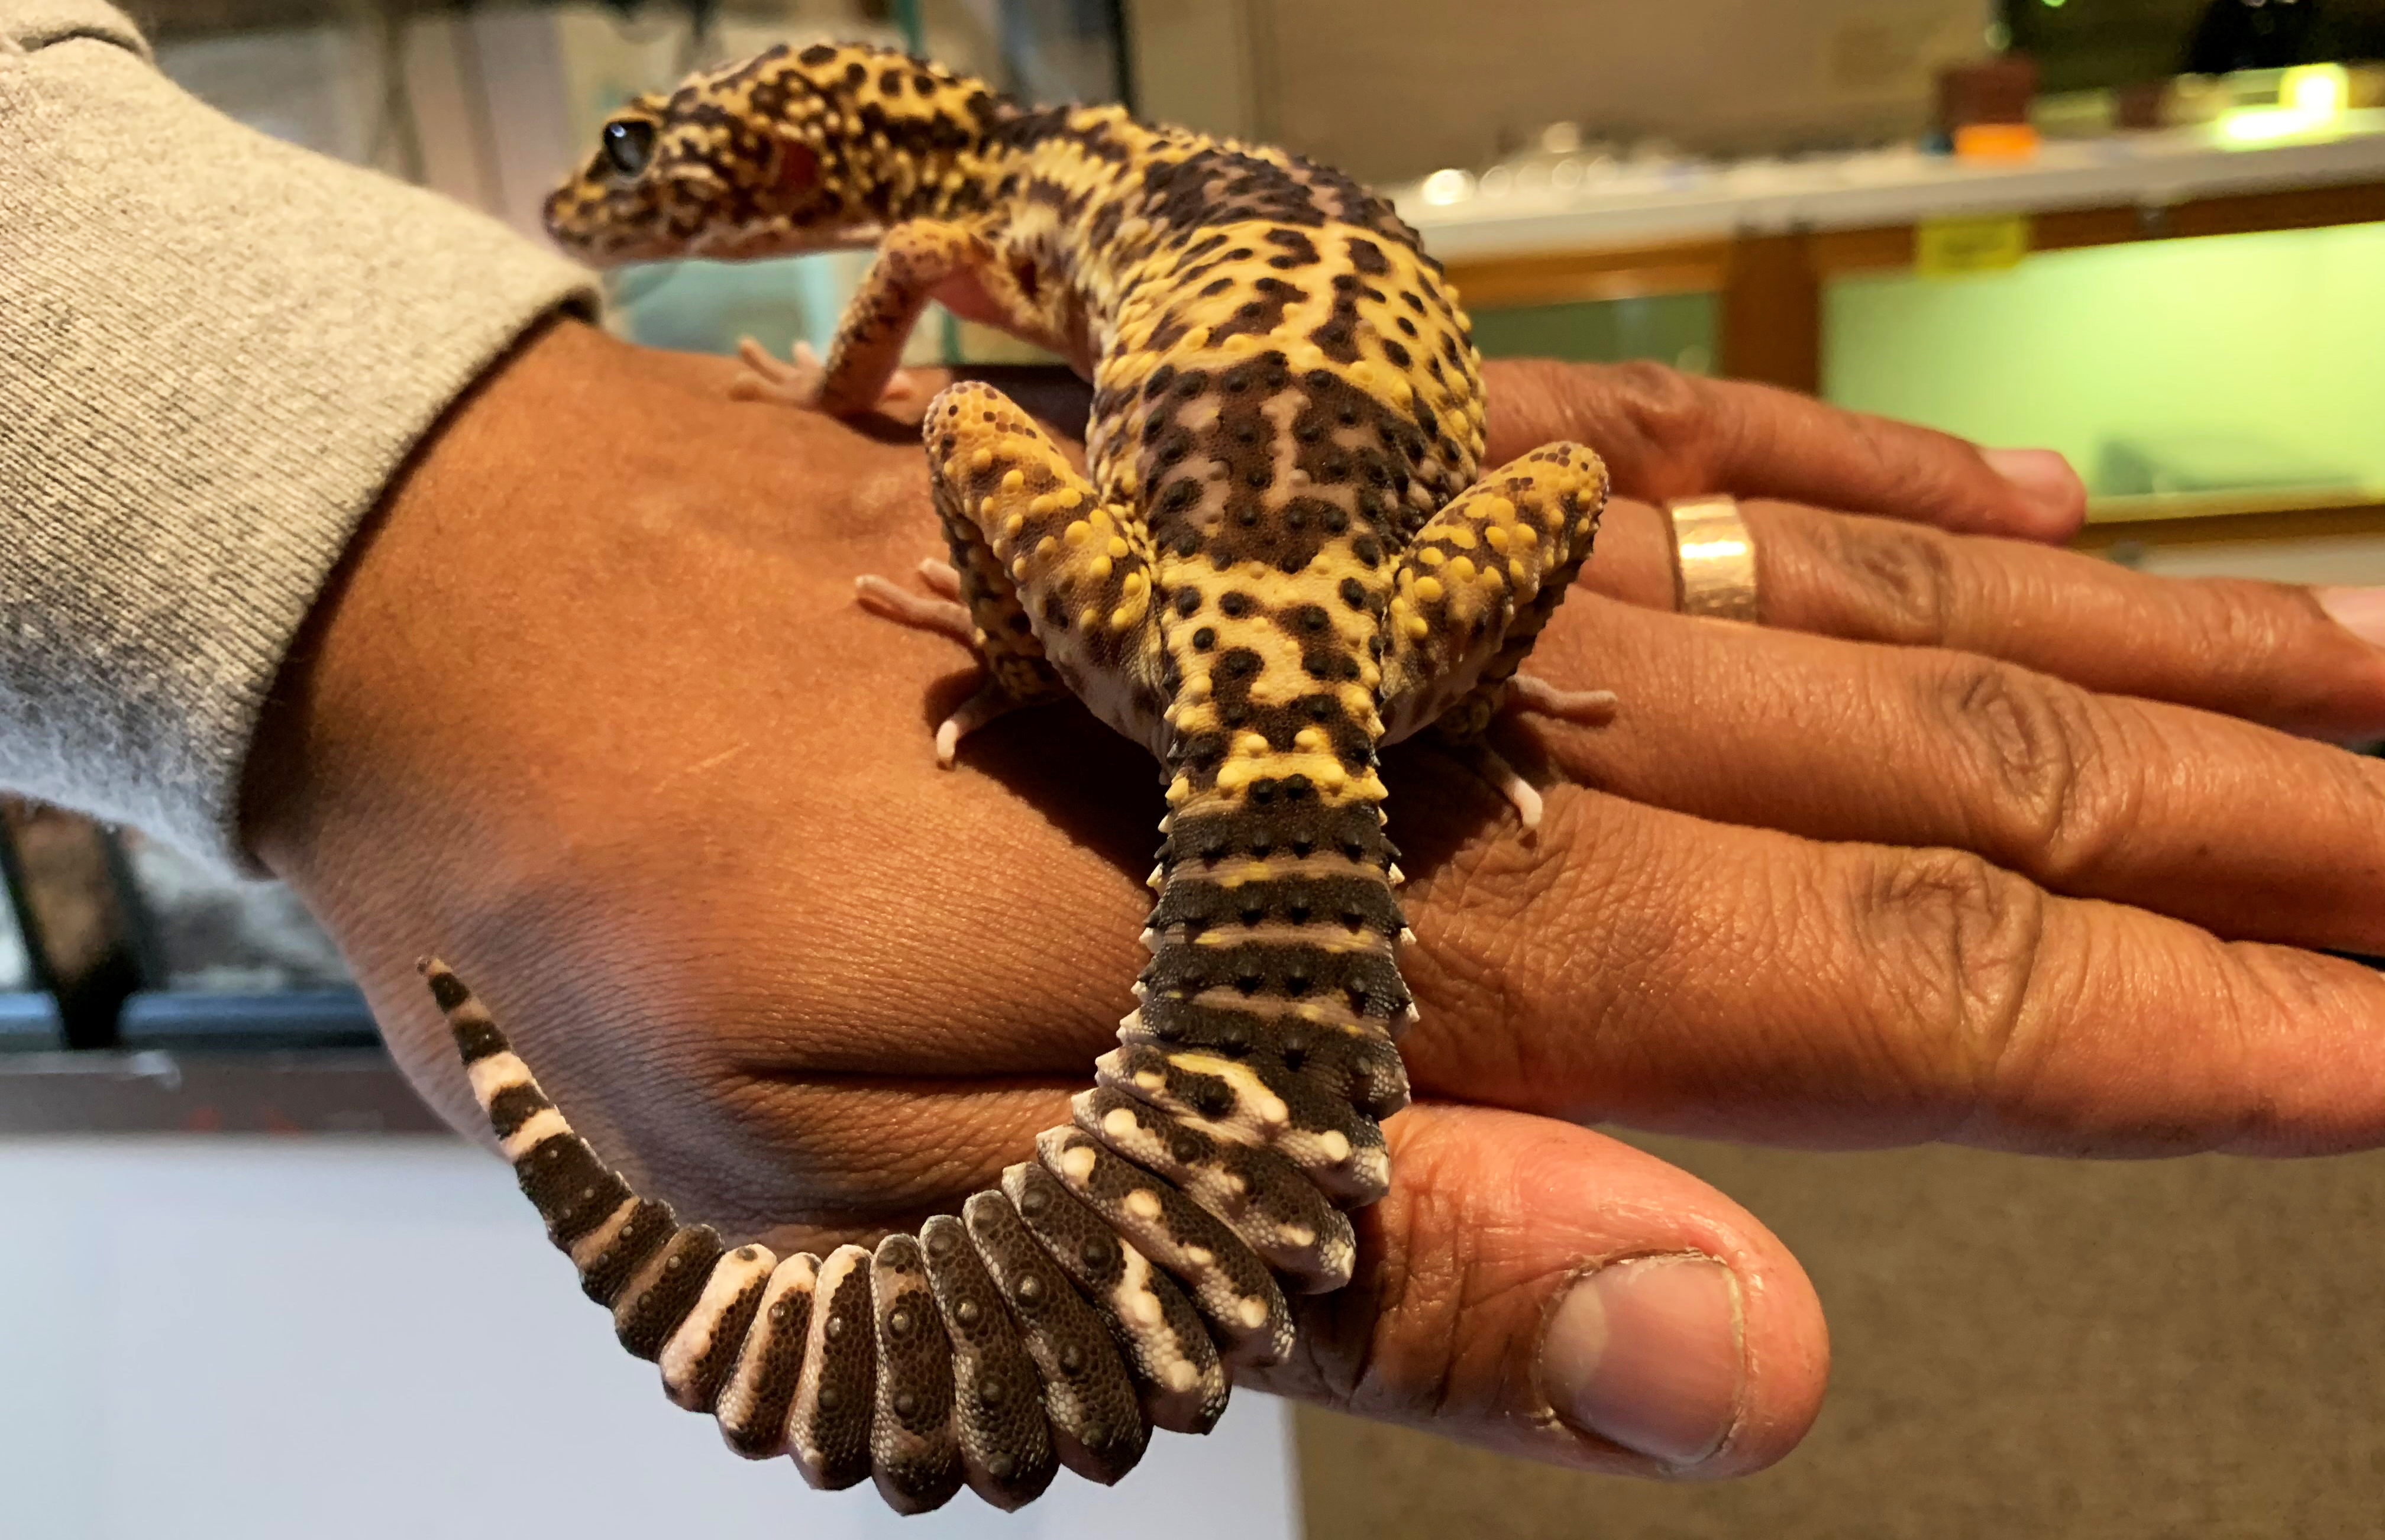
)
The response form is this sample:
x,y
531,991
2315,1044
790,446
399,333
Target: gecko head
x,y
790,151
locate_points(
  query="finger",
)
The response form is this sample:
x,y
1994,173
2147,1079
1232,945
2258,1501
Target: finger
x,y
1642,965
1543,1290
1666,434
2269,652
2093,796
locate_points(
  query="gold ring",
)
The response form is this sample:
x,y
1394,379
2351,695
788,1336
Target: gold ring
x,y
1713,560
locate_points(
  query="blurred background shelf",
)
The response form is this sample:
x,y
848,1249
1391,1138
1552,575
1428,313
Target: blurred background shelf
x,y
106,1091
28,1022
288,1021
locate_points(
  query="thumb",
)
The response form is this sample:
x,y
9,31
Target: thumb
x,y
1543,1290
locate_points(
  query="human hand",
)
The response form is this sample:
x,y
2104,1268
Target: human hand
x,y
592,712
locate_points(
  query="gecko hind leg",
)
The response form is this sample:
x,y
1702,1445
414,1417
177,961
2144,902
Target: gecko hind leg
x,y
941,577
991,701
981,612
1588,708
946,614
1470,597
1505,779
1069,574
892,601
889,599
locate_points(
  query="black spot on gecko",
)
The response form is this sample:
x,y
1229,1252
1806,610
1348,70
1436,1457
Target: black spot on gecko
x,y
1336,339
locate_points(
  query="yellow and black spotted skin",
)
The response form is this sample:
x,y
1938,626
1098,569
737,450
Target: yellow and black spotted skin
x,y
1283,554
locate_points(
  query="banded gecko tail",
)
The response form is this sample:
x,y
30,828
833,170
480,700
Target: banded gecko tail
x,y
1258,1065
929,1362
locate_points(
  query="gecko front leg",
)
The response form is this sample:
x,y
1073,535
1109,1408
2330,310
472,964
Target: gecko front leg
x,y
798,379
915,260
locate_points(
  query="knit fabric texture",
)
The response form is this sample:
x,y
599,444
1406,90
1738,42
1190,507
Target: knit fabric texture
x,y
216,351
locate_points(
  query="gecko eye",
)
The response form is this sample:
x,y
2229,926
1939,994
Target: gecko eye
x,y
629,145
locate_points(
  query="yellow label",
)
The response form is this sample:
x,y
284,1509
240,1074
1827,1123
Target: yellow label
x,y
1975,244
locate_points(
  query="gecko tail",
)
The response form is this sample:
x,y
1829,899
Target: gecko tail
x,y
843,1363
680,1297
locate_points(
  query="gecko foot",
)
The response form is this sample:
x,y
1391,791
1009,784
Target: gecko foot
x,y
1592,708
1519,791
795,383
801,381
940,576
943,616
991,703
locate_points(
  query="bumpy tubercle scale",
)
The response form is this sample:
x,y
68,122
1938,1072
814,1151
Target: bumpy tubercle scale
x,y
1281,556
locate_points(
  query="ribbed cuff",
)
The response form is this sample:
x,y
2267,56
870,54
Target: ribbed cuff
x,y
216,350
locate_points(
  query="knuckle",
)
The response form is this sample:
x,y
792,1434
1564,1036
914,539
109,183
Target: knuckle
x,y
1536,400
1956,942
1666,409
2026,742
1886,448
2245,621
1911,472
1899,581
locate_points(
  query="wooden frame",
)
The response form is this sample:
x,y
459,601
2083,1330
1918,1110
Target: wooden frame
x,y
2231,526
1769,286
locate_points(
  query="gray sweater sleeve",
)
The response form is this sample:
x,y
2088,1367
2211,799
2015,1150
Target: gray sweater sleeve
x,y
216,350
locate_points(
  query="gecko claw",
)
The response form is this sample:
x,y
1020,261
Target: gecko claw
x,y
991,703
1511,785
940,578
1590,708
892,601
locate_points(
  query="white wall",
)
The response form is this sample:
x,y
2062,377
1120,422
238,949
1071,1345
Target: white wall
x,y
258,1338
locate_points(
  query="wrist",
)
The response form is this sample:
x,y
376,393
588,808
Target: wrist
x,y
353,662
